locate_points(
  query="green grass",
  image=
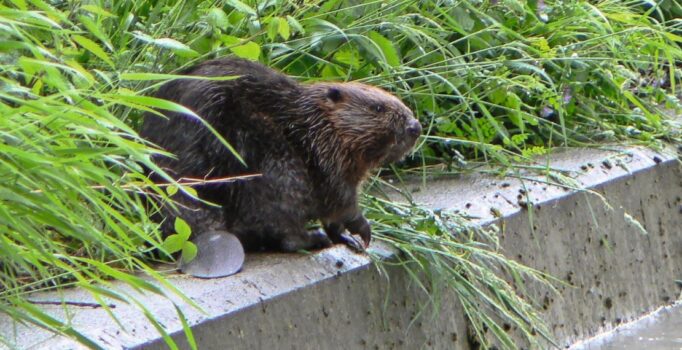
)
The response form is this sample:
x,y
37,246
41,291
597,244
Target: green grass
x,y
492,81
444,253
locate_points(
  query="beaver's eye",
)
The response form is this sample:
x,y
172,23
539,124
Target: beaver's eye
x,y
379,108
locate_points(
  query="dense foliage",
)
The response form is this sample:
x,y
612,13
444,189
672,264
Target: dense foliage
x,y
494,80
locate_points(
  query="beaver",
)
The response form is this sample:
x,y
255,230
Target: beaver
x,y
313,145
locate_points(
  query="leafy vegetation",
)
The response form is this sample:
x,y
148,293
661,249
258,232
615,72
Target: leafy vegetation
x,y
493,80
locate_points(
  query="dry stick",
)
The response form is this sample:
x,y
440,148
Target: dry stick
x,y
193,181
184,181
72,303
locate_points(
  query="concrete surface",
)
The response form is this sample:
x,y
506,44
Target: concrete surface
x,y
337,299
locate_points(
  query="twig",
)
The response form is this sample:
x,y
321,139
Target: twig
x,y
195,181
72,303
184,181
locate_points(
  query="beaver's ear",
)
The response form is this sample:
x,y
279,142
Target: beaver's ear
x,y
334,94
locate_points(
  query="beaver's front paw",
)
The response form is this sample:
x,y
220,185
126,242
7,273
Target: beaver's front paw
x,y
308,240
360,226
338,234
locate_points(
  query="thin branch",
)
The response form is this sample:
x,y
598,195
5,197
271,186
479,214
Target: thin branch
x,y
72,303
183,181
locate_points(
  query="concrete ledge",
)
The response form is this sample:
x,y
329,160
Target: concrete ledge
x,y
336,299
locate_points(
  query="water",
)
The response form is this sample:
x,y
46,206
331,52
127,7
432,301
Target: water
x,y
661,330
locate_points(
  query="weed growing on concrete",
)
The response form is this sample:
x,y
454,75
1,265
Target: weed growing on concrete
x,y
445,253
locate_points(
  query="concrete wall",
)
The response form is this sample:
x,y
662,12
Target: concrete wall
x,y
337,299
616,272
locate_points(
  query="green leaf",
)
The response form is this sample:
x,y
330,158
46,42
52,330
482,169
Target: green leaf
x,y
190,191
525,68
283,29
182,228
217,18
150,101
97,10
513,102
186,328
12,45
95,30
173,243
673,37
132,280
273,26
87,81
464,18
242,7
171,190
94,48
386,46
36,17
21,4
295,24
654,119
327,6
189,251
329,72
177,47
229,39
498,96
249,51
348,57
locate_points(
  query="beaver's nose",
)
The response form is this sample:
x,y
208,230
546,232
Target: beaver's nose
x,y
414,129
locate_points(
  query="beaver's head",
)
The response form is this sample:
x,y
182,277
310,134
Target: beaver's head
x,y
374,126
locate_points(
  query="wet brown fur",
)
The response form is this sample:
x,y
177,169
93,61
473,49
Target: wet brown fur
x,y
313,143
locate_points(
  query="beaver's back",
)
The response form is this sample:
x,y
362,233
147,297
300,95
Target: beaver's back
x,y
237,109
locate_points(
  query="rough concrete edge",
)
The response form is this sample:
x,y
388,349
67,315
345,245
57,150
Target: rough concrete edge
x,y
262,278
588,168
